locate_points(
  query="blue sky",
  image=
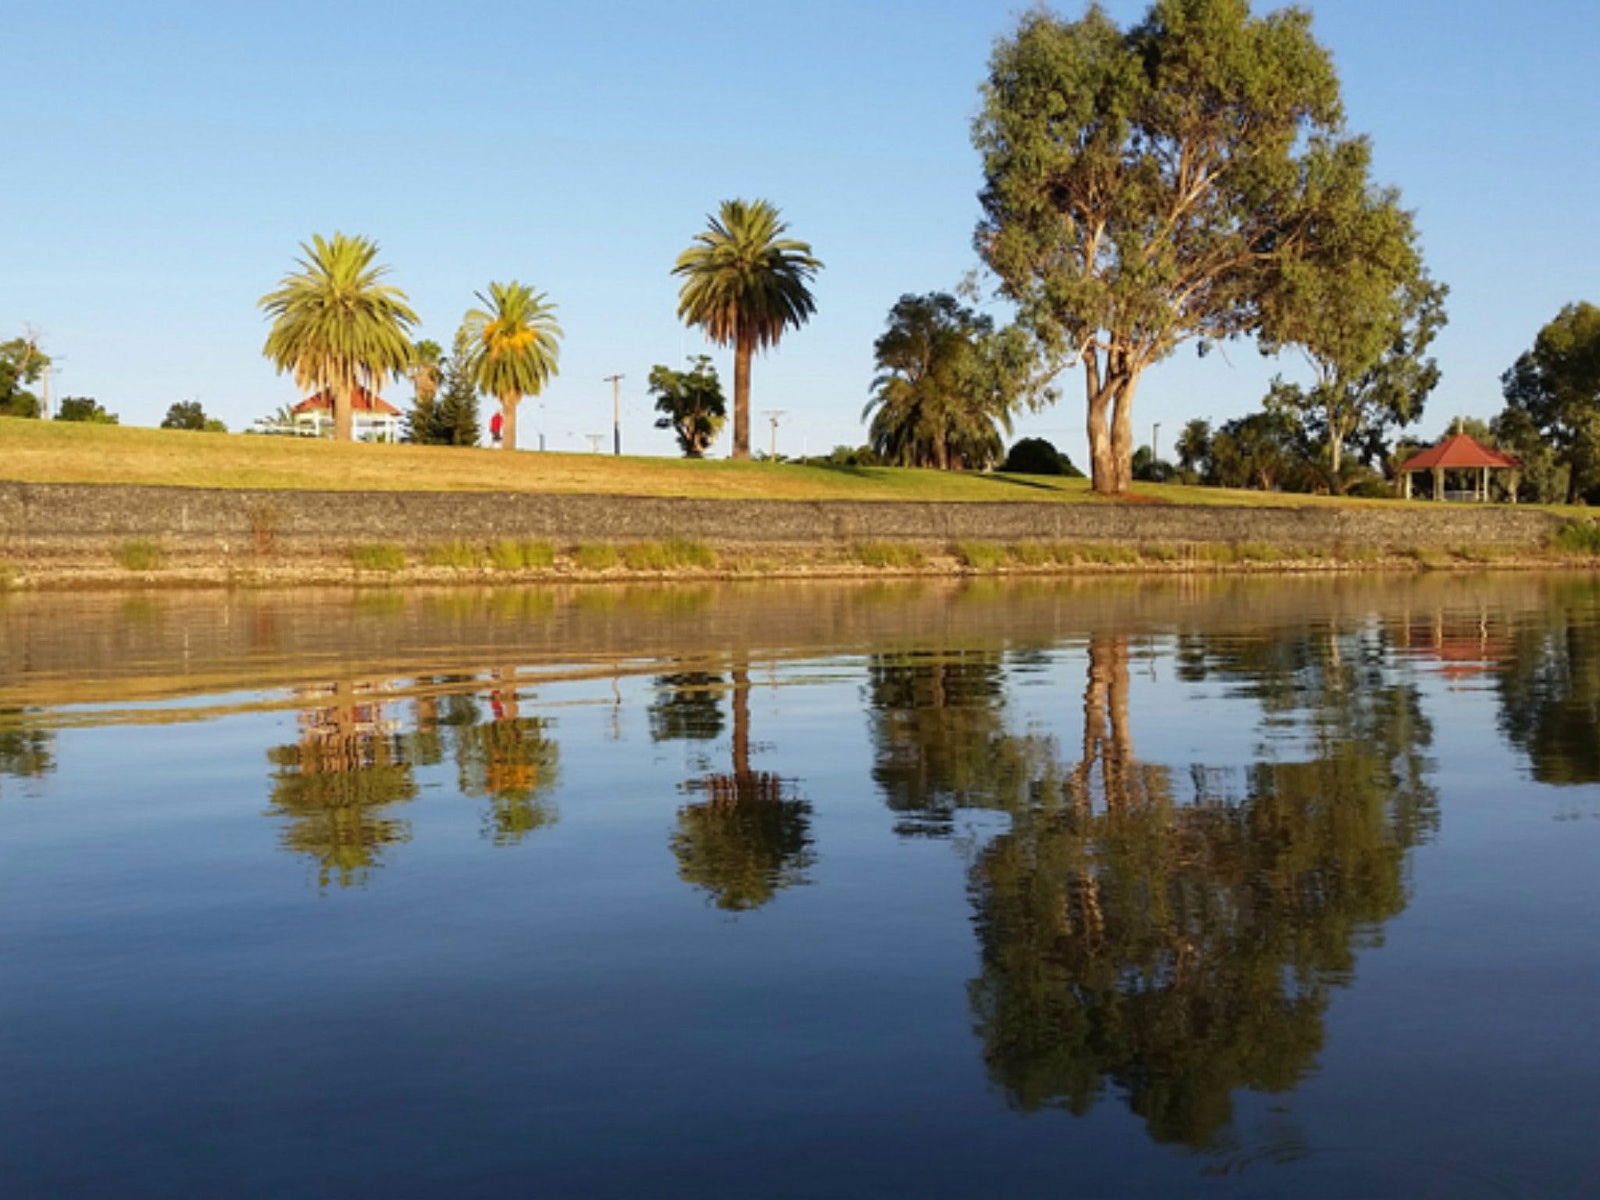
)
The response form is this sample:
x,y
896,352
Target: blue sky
x,y
163,161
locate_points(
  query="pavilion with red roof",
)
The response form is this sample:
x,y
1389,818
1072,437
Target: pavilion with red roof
x,y
1458,452
374,418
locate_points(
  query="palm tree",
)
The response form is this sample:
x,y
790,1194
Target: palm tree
x,y
513,347
744,285
426,373
336,327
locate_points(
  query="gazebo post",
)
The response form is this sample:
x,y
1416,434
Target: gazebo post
x,y
1406,476
1438,483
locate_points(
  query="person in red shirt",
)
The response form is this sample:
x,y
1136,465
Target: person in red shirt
x,y
497,423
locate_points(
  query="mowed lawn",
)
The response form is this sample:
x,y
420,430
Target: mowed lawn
x,y
57,452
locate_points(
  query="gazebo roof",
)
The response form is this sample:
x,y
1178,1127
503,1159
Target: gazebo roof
x,y
363,402
1458,450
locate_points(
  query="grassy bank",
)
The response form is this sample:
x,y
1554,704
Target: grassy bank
x,y
53,452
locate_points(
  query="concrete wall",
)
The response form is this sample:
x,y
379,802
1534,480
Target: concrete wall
x,y
74,520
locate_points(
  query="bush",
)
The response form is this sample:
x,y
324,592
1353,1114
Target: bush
x,y
1579,537
1036,456
378,556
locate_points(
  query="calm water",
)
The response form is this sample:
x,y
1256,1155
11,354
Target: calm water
x,y
1118,889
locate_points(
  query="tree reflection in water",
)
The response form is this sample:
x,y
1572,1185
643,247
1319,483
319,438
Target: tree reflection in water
x,y
25,752
1550,687
512,761
1170,951
750,838
334,783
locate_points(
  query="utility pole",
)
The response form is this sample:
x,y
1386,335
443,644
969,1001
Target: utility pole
x,y
594,441
616,412
772,415
1155,437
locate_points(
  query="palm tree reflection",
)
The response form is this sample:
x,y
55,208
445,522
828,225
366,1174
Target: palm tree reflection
x,y
335,782
750,837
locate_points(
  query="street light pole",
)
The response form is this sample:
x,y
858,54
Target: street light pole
x,y
616,412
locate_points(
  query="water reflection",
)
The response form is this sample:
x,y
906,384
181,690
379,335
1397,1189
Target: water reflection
x,y
334,784
751,836
1172,949
1550,688
26,752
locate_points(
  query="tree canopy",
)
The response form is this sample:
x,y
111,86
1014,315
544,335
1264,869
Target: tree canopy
x,y
513,347
947,387
1147,187
190,414
1556,385
745,285
85,410
691,404
336,326
22,364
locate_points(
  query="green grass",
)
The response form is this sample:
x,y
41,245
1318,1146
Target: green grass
x,y
509,555
596,556
378,556
458,554
1105,554
1032,554
981,556
140,554
892,555
667,556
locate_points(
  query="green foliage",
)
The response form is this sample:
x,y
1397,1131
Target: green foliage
x,y
1037,456
947,387
1579,537
846,456
745,285
691,404
378,556
1148,187
84,409
140,554
336,327
1555,389
981,556
454,417
895,555
457,554
1032,554
1264,450
426,372
22,364
188,414
513,343
596,556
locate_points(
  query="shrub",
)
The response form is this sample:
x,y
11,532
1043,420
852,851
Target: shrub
x,y
595,556
889,554
378,556
1036,456
140,555
1579,537
454,554
981,556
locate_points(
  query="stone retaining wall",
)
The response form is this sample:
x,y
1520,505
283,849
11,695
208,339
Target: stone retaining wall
x,y
69,521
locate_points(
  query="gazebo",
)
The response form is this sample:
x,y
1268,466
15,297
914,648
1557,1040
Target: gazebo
x,y
1458,452
374,418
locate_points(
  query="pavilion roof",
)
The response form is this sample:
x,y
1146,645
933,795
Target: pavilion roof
x,y
1458,450
363,402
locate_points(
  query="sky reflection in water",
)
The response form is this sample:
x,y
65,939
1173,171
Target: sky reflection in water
x,y
1052,888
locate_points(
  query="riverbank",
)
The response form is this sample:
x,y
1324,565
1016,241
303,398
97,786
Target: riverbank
x,y
96,535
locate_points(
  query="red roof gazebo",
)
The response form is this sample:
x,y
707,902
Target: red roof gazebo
x,y
373,416
1458,452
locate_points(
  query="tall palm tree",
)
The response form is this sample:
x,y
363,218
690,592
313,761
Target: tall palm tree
x,y
744,285
513,347
336,327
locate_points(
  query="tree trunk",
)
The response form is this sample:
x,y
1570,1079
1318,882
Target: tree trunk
x,y
743,347
508,428
1122,431
1102,474
741,720
343,413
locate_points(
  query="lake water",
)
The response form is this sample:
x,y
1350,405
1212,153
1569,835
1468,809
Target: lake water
x,y
1117,888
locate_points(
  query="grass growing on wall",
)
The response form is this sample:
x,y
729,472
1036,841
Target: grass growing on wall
x,y
596,556
1580,538
140,555
510,555
378,556
981,556
897,555
454,554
